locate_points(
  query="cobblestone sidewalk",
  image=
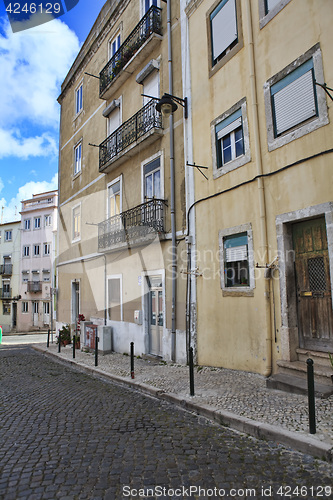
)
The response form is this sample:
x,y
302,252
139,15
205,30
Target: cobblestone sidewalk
x,y
240,393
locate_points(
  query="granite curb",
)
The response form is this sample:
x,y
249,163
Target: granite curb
x,y
254,428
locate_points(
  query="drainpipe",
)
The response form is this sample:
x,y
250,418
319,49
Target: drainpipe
x,y
260,183
172,196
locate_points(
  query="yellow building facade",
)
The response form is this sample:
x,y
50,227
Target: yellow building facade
x,y
122,207
259,76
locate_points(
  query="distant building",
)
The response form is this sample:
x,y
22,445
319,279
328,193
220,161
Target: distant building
x,y
9,274
37,260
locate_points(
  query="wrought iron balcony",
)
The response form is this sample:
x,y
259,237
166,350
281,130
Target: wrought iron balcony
x,y
5,293
34,286
133,226
129,133
149,25
6,269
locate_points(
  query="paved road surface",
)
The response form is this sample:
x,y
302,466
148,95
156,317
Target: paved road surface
x,y
66,435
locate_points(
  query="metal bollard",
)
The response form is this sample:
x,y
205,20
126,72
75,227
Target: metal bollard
x,y
132,359
311,397
59,340
48,338
191,366
74,339
96,350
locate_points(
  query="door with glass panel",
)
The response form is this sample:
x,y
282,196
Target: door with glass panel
x,y
156,317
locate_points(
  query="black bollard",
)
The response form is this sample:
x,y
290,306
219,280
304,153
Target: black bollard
x,y
96,349
190,359
74,339
48,338
59,340
311,397
132,359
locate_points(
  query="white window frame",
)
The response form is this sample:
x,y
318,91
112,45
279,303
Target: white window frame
x,y
8,235
313,123
27,224
234,231
79,99
215,63
120,180
143,6
37,223
36,245
76,237
26,251
47,220
120,278
238,161
266,13
25,307
113,39
143,175
46,248
78,163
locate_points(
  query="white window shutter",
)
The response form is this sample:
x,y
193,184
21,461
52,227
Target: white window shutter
x,y
224,28
114,120
294,103
271,4
151,86
229,128
235,254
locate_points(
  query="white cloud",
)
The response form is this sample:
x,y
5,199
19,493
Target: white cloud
x,y
11,210
12,144
33,65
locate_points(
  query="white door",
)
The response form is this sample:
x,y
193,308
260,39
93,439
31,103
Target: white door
x,y
35,313
156,316
46,313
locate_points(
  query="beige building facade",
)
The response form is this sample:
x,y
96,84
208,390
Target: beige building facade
x,y
121,221
259,76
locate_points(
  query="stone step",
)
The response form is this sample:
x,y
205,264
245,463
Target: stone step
x,y
297,385
321,358
299,369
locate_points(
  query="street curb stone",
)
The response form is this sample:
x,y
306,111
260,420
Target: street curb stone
x,y
254,428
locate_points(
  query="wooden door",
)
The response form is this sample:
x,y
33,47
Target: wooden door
x,y
315,317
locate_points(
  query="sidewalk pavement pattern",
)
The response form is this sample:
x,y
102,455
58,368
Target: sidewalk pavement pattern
x,y
235,399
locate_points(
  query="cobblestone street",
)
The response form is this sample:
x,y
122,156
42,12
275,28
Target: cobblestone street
x,y
67,435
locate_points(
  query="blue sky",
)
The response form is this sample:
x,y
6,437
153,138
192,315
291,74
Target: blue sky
x,y
33,64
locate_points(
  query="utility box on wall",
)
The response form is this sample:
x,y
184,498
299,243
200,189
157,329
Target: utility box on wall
x,y
105,344
138,317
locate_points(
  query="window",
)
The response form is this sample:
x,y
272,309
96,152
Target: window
x,y
6,308
152,180
37,222
230,140
25,307
151,86
149,3
36,307
78,99
225,36
295,105
114,298
46,307
236,254
8,235
26,251
36,250
27,224
268,9
114,46
47,220
77,158
47,248
46,275
114,198
77,222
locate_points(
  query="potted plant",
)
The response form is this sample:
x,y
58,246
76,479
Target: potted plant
x,y
64,335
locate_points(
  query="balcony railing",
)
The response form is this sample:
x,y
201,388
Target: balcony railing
x,y
34,286
6,269
132,226
5,293
129,132
149,24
